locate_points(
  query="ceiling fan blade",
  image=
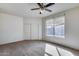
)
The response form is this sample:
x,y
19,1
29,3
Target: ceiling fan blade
x,y
35,8
48,10
40,5
49,4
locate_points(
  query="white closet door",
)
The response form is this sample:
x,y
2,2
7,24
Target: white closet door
x,y
27,31
40,31
34,31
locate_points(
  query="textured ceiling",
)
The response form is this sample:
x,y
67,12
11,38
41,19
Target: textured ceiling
x,y
23,9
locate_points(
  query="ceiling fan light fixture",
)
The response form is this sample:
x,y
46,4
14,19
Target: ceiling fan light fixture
x,y
41,11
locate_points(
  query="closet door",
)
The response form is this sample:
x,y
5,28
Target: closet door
x,y
34,32
27,31
39,31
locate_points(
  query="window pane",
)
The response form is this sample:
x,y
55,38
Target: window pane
x,y
49,27
49,30
59,30
59,26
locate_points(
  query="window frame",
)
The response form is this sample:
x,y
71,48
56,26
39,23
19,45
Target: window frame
x,y
54,28
46,28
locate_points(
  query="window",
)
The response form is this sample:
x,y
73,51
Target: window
x,y
49,27
59,26
59,30
55,27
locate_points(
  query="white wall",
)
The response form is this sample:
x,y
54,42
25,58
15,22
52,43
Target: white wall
x,y
71,29
11,28
32,28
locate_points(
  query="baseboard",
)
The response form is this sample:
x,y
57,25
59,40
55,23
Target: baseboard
x,y
11,42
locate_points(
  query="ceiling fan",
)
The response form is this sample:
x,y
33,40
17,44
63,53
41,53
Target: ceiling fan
x,y
43,7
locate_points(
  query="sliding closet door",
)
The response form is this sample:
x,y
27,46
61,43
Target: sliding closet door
x,y
27,31
39,31
34,32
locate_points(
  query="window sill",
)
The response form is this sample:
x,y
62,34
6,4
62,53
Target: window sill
x,y
50,35
55,36
60,36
